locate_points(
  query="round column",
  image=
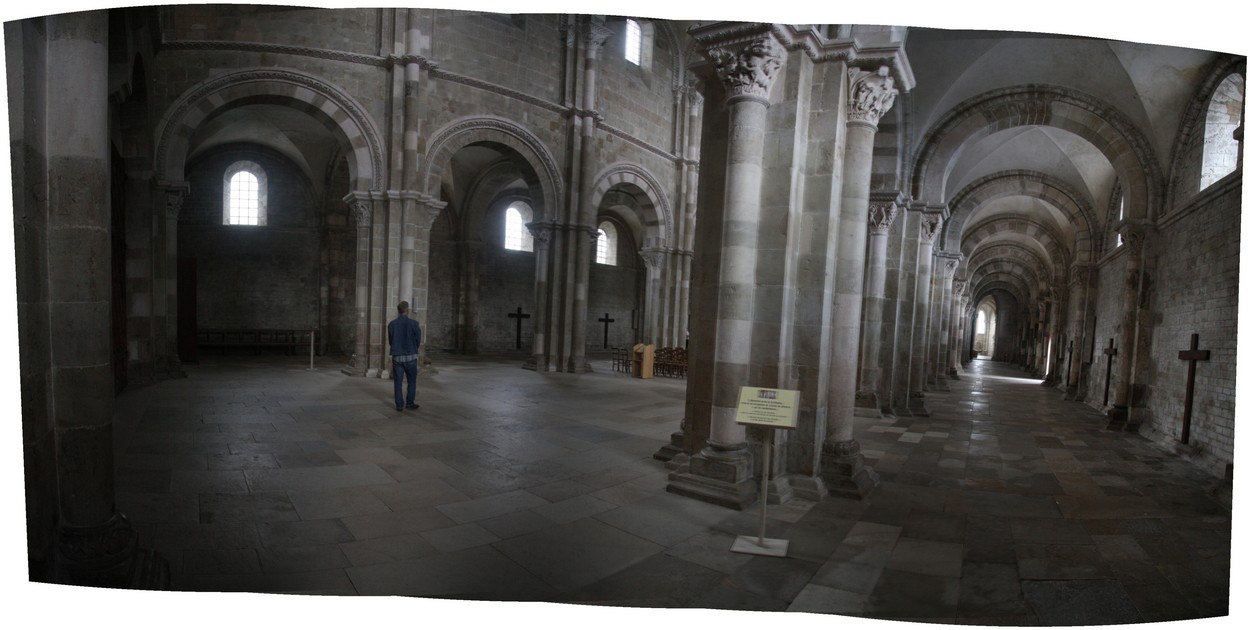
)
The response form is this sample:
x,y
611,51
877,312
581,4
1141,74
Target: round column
x,y
881,213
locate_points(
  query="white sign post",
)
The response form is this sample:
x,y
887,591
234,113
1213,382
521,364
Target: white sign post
x,y
768,409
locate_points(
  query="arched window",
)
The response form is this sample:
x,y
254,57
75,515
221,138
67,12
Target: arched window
x,y
1220,148
633,42
1119,238
245,194
605,245
515,235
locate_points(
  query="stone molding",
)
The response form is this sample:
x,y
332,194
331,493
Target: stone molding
x,y
654,257
745,57
439,143
594,36
640,177
300,51
882,210
930,225
541,231
192,107
1136,234
870,96
175,195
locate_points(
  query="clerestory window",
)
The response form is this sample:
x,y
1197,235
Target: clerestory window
x,y
245,194
605,245
633,42
1220,147
515,235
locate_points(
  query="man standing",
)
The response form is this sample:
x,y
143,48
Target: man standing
x,y
404,336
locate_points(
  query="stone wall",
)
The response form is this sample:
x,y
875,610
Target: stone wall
x,y
517,52
253,276
616,290
1199,242
1109,311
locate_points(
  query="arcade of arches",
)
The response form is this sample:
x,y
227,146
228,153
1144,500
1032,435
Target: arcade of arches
x,y
855,213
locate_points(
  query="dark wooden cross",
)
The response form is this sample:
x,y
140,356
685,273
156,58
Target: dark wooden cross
x,y
1069,379
1110,351
518,315
606,320
1193,355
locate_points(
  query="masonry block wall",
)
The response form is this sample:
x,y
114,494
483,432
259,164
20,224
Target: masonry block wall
x,y
1199,241
1109,311
338,268
617,291
442,317
252,277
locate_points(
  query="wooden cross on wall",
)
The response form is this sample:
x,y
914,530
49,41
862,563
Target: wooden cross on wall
x,y
518,315
1110,351
606,320
1193,355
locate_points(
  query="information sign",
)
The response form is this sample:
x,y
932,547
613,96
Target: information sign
x,y
768,407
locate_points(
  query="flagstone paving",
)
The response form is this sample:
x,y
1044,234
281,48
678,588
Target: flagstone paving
x,y
1006,505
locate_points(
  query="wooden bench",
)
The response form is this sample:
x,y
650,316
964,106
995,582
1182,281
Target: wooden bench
x,y
256,339
670,362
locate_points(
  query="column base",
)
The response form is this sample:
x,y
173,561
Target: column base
x,y
807,488
843,471
953,373
670,450
779,491
866,405
1118,419
718,477
108,556
915,405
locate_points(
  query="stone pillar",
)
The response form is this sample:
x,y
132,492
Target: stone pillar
x,y
1080,278
94,543
904,314
957,319
539,359
745,60
1136,234
164,318
654,259
425,211
869,96
948,262
882,208
595,35
366,360
930,223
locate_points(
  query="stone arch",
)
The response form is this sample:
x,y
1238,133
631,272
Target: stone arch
x,y
1124,146
542,173
1026,227
331,106
1013,252
657,214
1189,135
1075,206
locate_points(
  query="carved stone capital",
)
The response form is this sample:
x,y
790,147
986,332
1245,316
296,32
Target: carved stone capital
x,y
594,36
540,231
747,66
871,95
930,224
174,195
881,215
362,213
1135,233
653,257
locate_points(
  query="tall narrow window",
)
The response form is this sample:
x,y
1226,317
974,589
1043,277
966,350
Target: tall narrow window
x,y
1119,239
1220,147
605,246
245,194
633,42
515,235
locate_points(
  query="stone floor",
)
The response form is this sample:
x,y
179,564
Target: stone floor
x,y
1006,506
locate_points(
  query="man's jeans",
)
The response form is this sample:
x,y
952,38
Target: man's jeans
x,y
402,370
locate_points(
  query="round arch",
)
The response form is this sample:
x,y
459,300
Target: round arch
x,y
657,215
328,104
543,175
1076,207
1025,227
1124,146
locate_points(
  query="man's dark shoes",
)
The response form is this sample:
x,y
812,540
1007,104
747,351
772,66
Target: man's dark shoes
x,y
412,406
399,409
